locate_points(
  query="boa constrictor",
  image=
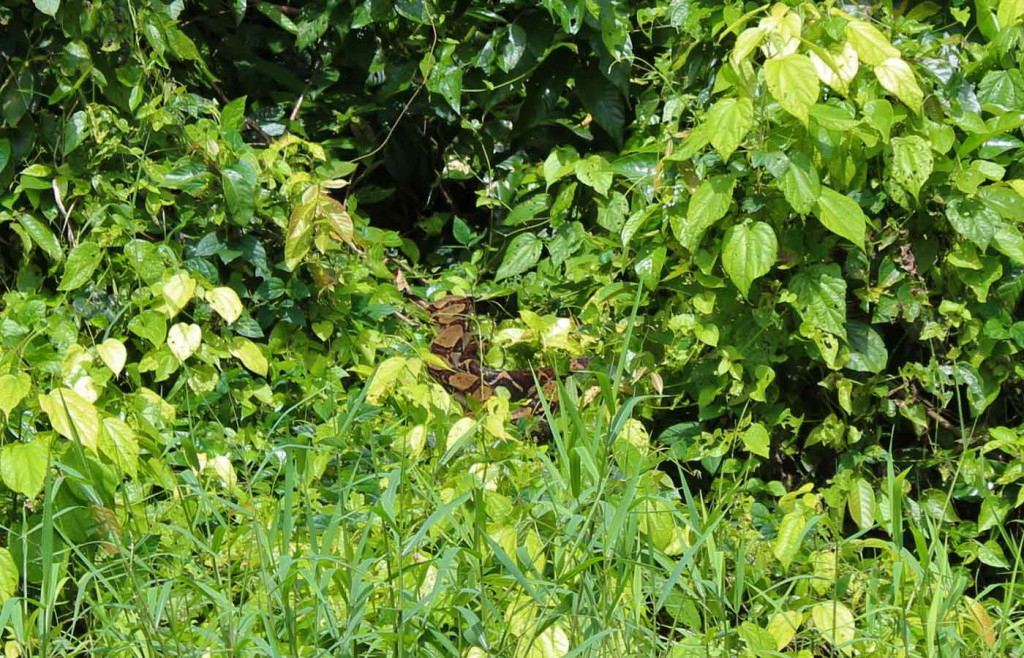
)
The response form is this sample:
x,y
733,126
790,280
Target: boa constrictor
x,y
463,375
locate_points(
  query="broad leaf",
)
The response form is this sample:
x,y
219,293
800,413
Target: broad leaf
x,y
120,445
973,219
793,82
8,576
81,265
842,215
178,291
72,416
709,204
113,354
800,184
42,236
912,162
184,339
787,541
522,253
13,389
861,503
867,349
225,302
48,7
756,440
898,78
749,251
821,297
239,182
250,355
730,120
873,48
595,172
23,467
836,624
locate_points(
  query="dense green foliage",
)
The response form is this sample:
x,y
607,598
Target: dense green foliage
x,y
788,236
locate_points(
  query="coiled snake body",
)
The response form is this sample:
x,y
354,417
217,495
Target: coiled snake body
x,y
463,375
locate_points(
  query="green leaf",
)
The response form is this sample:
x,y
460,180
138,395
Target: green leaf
x,y
912,162
800,184
709,204
72,416
1008,241
150,325
880,115
595,172
23,467
993,510
749,251
793,82
787,542
861,503
873,48
898,78
48,7
522,253
973,219
842,215
1002,91
75,131
232,117
8,576
13,389
81,265
821,297
756,440
239,182
5,152
299,236
730,120
648,266
867,348
42,236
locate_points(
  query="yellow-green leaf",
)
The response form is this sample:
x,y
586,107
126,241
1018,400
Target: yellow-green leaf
x,y
861,503
13,389
793,82
384,378
23,466
120,444
225,302
300,232
113,354
783,627
184,339
787,542
730,119
250,355
178,291
756,440
898,78
836,624
842,215
872,46
72,416
8,576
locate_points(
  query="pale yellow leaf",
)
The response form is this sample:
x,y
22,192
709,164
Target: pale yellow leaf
x,y
250,355
113,354
225,301
178,291
72,416
184,339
